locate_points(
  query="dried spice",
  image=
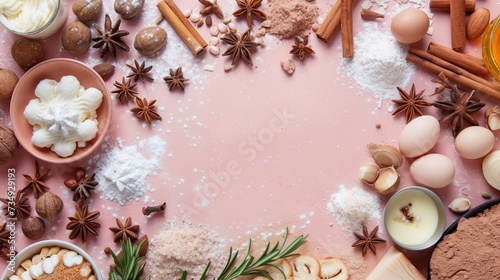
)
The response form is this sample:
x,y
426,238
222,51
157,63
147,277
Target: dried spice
x,y
4,234
146,110
240,47
211,6
249,7
125,90
459,108
368,240
110,37
300,47
82,223
147,210
125,230
410,103
176,79
140,71
36,183
18,208
407,213
81,184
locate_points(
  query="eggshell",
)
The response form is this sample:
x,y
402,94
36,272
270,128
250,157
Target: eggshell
x,y
410,25
432,170
474,142
419,136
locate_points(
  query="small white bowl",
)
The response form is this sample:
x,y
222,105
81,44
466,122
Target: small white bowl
x,y
35,248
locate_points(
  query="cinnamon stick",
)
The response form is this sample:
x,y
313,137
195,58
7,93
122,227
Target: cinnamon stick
x,y
472,64
458,24
444,5
428,62
182,26
346,28
331,22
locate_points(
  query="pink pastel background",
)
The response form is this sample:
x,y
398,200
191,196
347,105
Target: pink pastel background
x,y
286,179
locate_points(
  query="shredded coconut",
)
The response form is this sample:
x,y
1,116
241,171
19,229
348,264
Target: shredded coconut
x,y
182,246
379,64
353,207
122,172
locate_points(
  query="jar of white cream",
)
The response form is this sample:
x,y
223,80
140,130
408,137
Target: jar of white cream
x,y
34,19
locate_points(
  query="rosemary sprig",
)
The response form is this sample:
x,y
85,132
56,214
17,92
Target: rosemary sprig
x,y
128,265
256,267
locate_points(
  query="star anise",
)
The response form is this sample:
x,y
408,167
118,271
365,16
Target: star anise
x,y
125,90
125,231
368,240
459,109
249,7
17,208
82,223
140,71
211,6
110,37
36,183
410,103
4,234
300,47
81,184
146,110
176,79
240,46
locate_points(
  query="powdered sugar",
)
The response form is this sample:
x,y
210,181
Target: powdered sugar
x,y
379,64
352,207
122,173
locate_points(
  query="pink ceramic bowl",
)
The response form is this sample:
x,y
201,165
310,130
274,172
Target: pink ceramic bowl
x,y
25,91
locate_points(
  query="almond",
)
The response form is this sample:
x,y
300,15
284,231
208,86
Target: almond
x,y
477,23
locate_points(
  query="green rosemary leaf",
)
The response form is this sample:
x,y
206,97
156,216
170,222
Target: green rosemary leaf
x,y
205,272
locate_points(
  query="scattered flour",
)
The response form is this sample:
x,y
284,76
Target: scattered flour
x,y
122,173
379,64
353,207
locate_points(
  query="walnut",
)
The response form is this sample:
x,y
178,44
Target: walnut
x,y
49,206
128,8
150,40
8,144
27,53
76,37
8,81
87,10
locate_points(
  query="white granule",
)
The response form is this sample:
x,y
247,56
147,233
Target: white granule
x,y
122,173
353,207
182,246
379,63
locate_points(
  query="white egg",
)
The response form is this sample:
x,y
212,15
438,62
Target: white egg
x,y
433,170
474,142
419,136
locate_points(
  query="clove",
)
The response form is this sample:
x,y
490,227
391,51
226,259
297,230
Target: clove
x,y
147,210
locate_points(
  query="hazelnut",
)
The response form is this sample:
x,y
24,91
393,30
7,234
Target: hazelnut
x,y
87,10
49,206
128,8
149,40
76,37
33,228
27,53
8,144
8,81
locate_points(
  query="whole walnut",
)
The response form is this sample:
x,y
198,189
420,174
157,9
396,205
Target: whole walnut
x,y
128,8
8,144
150,40
27,53
87,10
8,81
76,37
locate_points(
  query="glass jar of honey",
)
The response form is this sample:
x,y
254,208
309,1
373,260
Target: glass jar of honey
x,y
491,48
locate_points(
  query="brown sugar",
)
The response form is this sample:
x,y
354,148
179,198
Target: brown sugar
x,y
472,251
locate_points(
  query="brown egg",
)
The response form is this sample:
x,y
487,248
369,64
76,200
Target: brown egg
x,y
410,25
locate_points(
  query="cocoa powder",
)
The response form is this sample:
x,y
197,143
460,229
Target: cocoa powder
x,y
472,251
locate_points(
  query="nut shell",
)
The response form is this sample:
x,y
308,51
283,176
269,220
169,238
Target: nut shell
x,y
27,53
49,206
150,40
76,37
8,144
33,228
128,8
87,10
8,81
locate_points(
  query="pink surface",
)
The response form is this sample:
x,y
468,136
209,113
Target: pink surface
x,y
285,176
